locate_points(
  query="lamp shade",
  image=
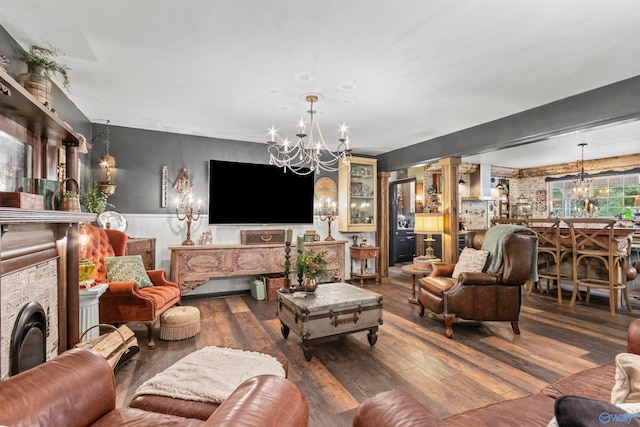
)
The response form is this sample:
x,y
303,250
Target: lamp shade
x,y
426,223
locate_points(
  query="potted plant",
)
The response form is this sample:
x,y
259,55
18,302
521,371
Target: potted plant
x,y
95,200
41,63
107,187
312,265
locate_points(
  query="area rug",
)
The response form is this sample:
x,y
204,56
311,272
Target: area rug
x,y
210,374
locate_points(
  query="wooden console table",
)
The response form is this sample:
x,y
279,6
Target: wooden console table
x,y
192,266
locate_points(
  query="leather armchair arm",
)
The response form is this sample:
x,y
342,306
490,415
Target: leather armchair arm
x,y
74,389
441,269
264,400
478,279
633,337
394,408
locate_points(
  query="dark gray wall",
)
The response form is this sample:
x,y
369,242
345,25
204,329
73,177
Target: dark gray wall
x,y
615,102
140,155
65,109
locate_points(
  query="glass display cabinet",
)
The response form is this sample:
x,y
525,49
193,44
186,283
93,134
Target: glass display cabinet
x,y
357,195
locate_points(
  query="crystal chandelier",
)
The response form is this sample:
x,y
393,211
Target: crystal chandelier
x,y
309,155
581,185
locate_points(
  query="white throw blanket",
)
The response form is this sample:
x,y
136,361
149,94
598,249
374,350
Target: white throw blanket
x,y
210,374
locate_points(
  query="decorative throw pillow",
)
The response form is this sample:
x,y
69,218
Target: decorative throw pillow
x,y
127,269
576,411
470,261
627,386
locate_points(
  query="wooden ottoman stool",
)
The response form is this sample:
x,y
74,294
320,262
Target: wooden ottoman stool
x,y
179,323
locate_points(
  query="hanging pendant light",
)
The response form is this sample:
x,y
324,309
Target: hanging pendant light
x,y
581,185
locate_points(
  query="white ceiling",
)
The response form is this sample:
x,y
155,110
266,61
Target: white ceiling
x,y
397,72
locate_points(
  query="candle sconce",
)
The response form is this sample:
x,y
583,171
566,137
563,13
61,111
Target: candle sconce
x,y
287,263
189,216
329,216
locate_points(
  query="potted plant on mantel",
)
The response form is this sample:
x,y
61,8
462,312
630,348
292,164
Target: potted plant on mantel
x,y
41,63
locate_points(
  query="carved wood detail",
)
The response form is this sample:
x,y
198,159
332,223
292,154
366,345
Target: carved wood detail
x,y
192,266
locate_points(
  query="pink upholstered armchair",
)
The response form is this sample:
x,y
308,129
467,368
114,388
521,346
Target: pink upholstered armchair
x,y
125,301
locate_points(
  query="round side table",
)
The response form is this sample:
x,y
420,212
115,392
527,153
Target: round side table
x,y
415,274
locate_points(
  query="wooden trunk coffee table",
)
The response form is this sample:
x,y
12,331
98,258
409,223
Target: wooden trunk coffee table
x,y
335,309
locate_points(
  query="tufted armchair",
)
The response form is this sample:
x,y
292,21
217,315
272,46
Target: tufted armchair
x,y
124,301
483,296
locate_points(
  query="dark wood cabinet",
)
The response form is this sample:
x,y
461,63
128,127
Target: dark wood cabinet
x,y
406,247
145,247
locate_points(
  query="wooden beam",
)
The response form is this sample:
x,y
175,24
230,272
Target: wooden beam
x,y
450,178
618,163
382,236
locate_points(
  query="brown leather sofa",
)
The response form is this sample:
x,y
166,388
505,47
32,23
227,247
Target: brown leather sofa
x,y
78,388
124,301
398,408
478,295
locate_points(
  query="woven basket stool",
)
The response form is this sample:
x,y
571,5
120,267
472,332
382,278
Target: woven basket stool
x,y
179,323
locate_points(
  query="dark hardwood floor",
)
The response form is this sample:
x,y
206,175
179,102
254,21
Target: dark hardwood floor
x,y
484,362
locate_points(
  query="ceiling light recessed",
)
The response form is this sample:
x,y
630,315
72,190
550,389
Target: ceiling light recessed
x,y
347,86
304,78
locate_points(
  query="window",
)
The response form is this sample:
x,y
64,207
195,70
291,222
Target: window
x,y
609,196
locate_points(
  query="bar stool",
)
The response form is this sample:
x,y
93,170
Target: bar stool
x,y
595,243
554,248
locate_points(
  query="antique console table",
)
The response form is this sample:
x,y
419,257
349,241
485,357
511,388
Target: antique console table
x,y
192,266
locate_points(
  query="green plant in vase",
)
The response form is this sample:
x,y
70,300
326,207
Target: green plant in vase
x,y
41,64
313,266
41,60
95,200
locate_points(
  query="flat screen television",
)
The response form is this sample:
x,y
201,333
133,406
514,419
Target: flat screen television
x,y
249,193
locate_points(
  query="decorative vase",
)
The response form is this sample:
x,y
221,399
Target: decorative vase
x,y
68,204
310,284
37,85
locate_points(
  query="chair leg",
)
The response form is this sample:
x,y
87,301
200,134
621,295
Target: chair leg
x,y
151,326
613,299
529,285
625,294
448,325
515,327
421,310
559,283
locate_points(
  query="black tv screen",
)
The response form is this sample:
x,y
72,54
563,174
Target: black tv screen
x,y
248,193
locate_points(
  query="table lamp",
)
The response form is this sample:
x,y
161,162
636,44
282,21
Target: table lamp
x,y
428,223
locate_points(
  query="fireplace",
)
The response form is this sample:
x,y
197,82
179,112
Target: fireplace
x,y
29,339
29,315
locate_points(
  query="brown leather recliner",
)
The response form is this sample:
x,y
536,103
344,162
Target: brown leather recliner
x,y
124,302
481,296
